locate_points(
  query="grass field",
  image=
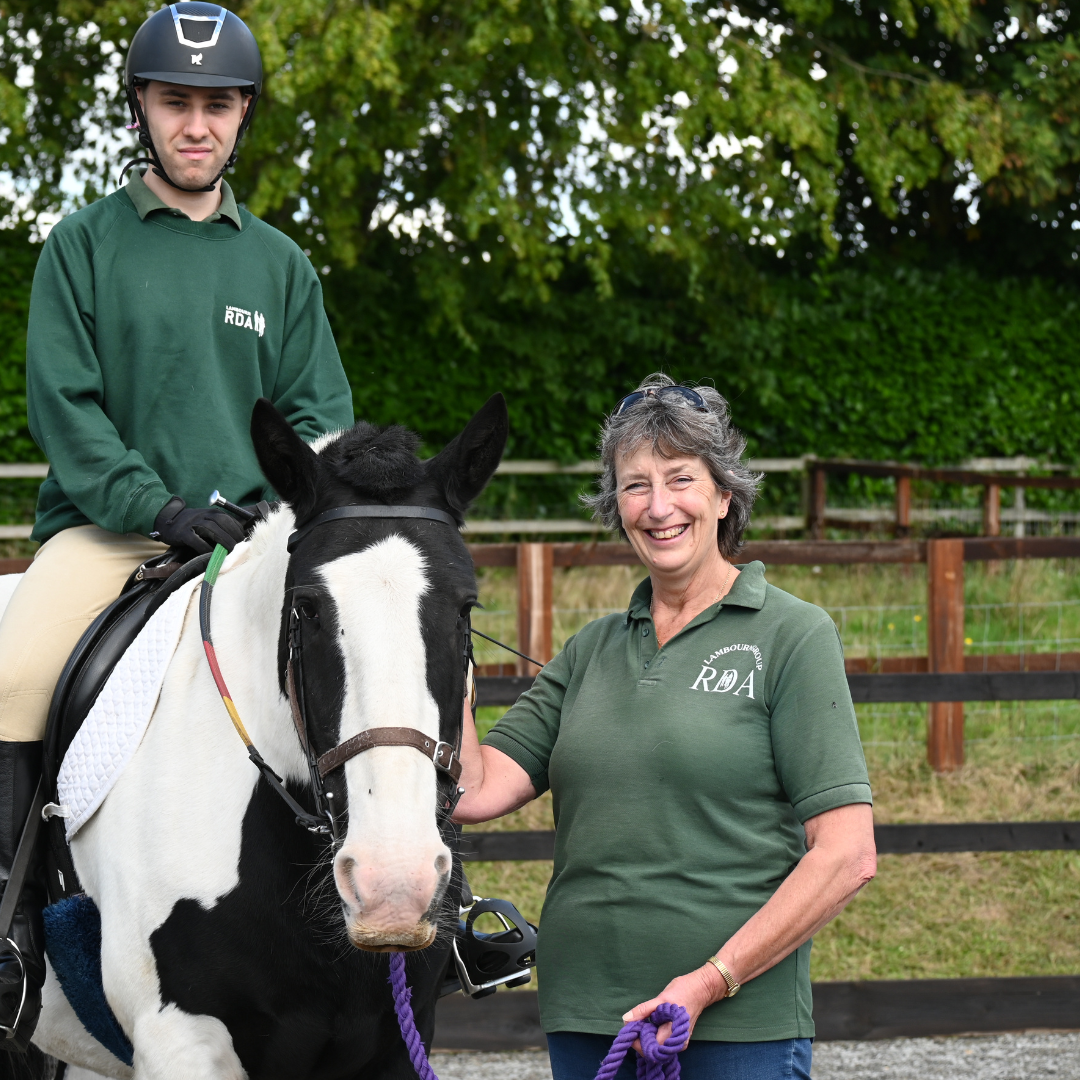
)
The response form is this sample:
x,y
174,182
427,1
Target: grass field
x,y
925,916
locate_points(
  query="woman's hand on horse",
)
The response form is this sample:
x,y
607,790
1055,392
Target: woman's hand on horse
x,y
494,783
695,992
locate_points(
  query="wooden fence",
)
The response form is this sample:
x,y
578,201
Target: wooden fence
x,y
818,471
945,678
842,1010
945,670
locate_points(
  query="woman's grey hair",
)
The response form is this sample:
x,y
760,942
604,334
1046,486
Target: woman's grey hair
x,y
674,428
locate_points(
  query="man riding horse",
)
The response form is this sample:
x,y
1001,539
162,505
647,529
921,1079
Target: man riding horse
x,y
159,315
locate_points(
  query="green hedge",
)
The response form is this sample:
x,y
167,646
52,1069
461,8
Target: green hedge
x,y
870,360
911,364
17,260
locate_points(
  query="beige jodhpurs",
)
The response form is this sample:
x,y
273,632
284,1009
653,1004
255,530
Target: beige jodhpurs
x,y
73,578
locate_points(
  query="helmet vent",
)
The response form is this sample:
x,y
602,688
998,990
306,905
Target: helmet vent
x,y
200,33
197,24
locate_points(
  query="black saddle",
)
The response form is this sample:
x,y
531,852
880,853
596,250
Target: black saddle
x,y
86,672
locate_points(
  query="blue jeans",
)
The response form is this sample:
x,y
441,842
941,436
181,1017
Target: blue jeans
x,y
576,1055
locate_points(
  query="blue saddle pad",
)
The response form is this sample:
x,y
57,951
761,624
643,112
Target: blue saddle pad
x,y
73,942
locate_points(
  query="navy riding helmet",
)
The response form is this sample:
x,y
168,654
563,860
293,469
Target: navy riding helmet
x,y
192,44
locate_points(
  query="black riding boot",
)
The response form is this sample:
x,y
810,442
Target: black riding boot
x,y
22,972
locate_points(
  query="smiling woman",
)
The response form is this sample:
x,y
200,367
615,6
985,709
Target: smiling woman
x,y
712,807
675,486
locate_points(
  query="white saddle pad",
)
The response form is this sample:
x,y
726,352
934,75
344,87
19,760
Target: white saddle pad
x,y
114,727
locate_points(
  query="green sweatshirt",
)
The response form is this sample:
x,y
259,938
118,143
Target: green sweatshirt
x,y
150,338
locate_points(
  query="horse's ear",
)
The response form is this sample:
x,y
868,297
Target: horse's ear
x,y
287,461
470,459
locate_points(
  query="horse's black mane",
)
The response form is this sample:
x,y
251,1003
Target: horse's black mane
x,y
376,461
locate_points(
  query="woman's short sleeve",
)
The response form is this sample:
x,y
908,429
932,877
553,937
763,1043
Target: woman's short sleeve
x,y
816,748
528,730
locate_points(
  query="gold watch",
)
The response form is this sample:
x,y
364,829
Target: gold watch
x,y
733,987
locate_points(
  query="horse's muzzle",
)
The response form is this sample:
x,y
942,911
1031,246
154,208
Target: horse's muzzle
x,y
371,940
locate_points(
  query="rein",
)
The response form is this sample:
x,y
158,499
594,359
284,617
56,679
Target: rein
x,y
308,821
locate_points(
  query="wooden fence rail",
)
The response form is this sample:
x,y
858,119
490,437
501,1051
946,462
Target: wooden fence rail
x,y
916,839
494,690
991,482
884,1009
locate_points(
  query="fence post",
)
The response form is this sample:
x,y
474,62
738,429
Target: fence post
x,y
815,507
535,566
903,506
992,510
945,631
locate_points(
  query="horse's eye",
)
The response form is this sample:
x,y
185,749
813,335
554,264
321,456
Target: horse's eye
x,y
467,607
306,610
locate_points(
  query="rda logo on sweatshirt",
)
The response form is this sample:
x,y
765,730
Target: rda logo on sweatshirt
x,y
246,320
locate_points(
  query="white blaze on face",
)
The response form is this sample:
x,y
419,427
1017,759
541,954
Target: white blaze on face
x,y
393,862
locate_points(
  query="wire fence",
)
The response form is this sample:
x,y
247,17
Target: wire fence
x,y
1019,628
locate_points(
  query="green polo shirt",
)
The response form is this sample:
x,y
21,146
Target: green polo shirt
x,y
145,202
681,778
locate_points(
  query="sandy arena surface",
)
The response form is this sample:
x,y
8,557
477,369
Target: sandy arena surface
x,y
986,1057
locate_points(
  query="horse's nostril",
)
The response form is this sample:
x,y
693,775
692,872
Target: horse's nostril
x,y
442,864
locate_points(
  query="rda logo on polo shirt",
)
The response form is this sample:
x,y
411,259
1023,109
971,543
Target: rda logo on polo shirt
x,y
714,680
246,320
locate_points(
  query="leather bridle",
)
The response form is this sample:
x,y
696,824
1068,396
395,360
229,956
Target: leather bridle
x,y
443,755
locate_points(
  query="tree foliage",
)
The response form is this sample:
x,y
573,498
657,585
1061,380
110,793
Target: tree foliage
x,y
534,136
873,360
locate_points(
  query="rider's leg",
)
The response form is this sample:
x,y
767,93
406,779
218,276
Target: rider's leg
x,y
73,578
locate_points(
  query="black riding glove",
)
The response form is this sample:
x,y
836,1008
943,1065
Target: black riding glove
x,y
196,528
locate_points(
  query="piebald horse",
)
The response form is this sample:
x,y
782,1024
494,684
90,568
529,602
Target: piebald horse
x,y
234,943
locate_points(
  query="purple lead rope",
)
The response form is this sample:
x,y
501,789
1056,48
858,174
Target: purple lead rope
x,y
656,1063
405,1019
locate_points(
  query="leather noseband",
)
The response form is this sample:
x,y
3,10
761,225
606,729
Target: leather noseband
x,y
441,754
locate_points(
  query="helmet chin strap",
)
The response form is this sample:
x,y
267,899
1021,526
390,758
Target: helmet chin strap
x,y
139,120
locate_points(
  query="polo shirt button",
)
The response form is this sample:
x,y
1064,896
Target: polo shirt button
x,y
645,632
646,663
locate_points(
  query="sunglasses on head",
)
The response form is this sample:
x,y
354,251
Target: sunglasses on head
x,y
691,397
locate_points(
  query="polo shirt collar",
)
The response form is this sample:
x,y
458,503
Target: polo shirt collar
x,y
146,202
747,591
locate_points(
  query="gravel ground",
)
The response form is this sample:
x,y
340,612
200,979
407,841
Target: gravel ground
x,y
514,1065
985,1057
980,1057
